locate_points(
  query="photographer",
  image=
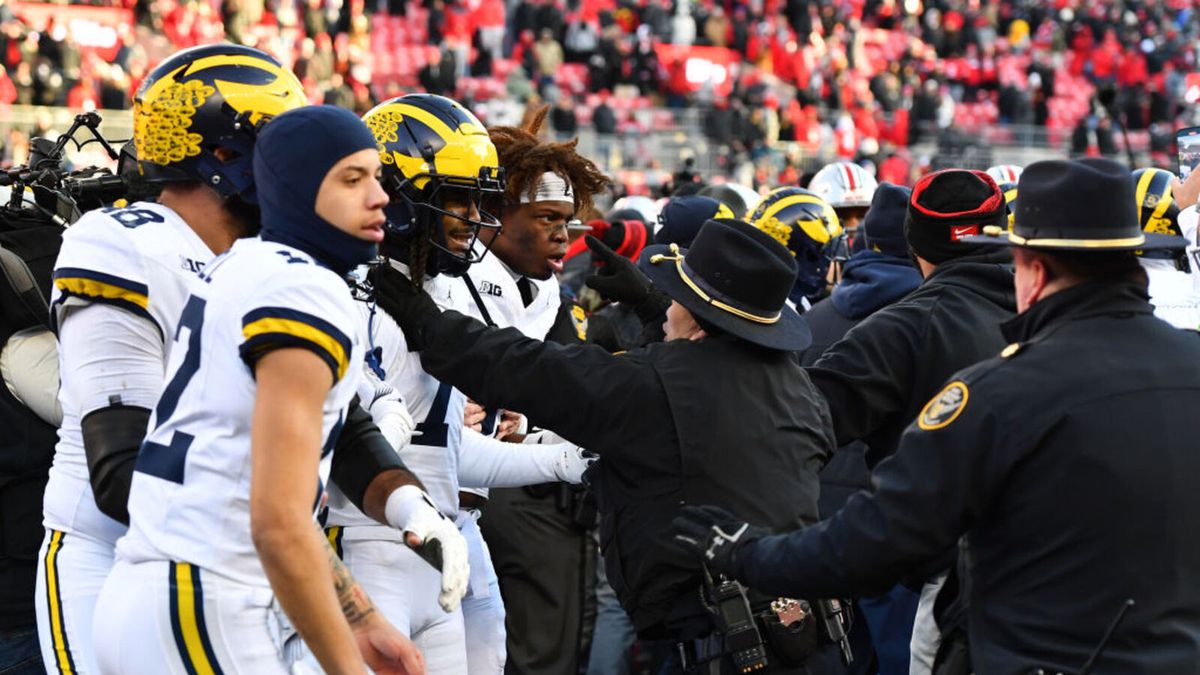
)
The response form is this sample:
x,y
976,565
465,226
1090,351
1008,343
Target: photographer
x,y
669,423
30,243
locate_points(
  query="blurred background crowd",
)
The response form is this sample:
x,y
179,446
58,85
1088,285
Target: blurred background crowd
x,y
763,92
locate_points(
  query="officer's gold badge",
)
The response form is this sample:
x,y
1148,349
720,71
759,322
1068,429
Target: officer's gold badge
x,y
944,408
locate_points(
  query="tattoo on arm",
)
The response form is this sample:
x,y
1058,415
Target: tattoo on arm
x,y
356,606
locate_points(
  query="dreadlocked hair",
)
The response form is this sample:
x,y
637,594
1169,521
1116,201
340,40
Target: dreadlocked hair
x,y
525,157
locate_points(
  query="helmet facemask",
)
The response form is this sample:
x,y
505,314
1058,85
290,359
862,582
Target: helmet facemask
x,y
420,213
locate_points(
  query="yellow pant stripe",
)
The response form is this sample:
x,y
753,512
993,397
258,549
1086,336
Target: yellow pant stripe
x,y
58,628
187,621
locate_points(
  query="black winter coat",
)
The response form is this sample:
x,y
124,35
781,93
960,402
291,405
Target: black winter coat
x,y
1069,464
714,421
883,371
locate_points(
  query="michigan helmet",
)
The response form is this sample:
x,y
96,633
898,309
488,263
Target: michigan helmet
x,y
1157,209
844,185
1005,173
433,150
808,226
205,99
1010,200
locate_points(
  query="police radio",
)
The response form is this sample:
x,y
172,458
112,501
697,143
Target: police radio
x,y
743,641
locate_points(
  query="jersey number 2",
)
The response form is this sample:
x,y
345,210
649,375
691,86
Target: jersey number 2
x,y
167,461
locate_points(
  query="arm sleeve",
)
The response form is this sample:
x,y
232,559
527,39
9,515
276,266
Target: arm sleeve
x,y
360,455
925,497
29,366
112,361
485,462
574,389
109,356
867,376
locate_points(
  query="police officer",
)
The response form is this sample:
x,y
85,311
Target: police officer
x,y
883,371
1066,461
720,412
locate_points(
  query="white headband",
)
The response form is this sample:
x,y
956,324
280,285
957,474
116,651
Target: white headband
x,y
551,187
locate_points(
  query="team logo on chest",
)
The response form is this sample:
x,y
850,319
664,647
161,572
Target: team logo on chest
x,y
945,407
489,288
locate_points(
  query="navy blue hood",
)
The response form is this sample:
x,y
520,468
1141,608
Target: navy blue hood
x,y
871,280
292,156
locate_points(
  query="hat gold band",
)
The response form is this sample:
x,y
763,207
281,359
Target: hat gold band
x,y
994,231
678,260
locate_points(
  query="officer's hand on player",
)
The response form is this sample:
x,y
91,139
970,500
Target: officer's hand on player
x,y
410,306
434,537
617,279
713,536
386,650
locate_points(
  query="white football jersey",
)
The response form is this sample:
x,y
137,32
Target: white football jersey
x,y
141,259
497,287
189,500
436,408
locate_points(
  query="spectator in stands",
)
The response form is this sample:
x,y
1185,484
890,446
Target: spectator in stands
x,y
439,76
548,55
563,119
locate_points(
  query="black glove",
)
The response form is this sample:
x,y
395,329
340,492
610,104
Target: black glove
x,y
410,306
712,536
617,279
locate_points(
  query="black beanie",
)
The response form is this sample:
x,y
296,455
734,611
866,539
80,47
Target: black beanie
x,y
947,206
883,226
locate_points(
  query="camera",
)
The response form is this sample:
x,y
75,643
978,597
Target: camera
x,y
58,194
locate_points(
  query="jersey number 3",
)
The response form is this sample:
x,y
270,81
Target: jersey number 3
x,y
167,461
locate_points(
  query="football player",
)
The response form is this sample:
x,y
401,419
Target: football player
x,y
438,162
542,554
849,189
120,284
226,484
808,226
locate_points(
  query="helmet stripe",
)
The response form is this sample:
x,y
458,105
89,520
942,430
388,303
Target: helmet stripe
x,y
1161,185
850,184
1143,186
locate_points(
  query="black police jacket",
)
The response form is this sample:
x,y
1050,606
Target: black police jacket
x,y
715,421
1069,462
27,443
878,376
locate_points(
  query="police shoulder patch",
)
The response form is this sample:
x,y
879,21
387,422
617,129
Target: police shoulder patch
x,y
945,407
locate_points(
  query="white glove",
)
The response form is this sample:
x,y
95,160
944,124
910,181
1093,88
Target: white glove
x,y
572,462
410,510
387,409
394,422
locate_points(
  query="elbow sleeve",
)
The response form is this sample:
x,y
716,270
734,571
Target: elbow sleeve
x,y
111,439
361,454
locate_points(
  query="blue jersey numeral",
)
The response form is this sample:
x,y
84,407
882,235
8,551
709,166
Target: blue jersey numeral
x,y
167,461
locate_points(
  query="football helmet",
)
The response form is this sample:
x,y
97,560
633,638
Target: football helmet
x,y
204,99
844,185
1157,209
433,151
1005,173
808,226
1010,200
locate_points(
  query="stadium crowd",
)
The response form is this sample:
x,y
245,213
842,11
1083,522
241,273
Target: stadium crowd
x,y
854,80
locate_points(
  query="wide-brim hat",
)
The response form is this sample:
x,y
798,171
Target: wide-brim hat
x,y
735,277
1077,205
